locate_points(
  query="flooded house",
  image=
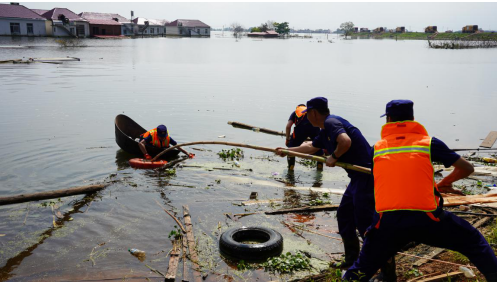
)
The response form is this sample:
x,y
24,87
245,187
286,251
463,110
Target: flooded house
x,y
64,22
265,34
400,30
149,27
107,24
18,20
379,30
192,28
470,29
355,29
431,29
364,30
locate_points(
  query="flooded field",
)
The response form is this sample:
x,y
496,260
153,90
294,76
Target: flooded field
x,y
57,122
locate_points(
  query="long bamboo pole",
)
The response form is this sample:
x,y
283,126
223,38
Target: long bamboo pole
x,y
250,127
269,149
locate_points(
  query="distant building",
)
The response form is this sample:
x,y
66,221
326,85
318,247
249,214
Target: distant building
x,y
267,34
150,27
470,29
18,20
64,22
107,24
364,30
378,30
431,29
356,29
193,28
400,30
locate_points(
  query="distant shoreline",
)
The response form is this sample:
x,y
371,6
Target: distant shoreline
x,y
424,36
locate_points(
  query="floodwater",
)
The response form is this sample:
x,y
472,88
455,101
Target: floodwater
x,y
58,132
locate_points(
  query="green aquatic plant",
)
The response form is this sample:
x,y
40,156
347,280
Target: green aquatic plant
x,y
318,201
308,163
287,263
175,233
234,153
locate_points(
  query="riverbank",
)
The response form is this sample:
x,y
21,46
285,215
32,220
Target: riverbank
x,y
425,36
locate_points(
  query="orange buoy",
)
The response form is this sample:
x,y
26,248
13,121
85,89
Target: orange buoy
x,y
146,164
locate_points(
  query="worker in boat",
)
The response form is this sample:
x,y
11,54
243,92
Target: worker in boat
x,y
303,129
346,143
408,203
158,137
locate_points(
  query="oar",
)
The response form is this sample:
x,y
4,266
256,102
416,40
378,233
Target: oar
x,y
269,149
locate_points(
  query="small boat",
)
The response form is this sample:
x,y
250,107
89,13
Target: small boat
x,y
127,133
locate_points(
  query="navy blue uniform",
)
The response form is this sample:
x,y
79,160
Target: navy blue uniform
x,y
148,140
303,129
397,228
357,205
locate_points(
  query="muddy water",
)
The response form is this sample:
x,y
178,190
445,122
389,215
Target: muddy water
x,y
58,132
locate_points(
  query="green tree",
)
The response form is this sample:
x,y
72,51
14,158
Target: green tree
x,y
256,29
347,28
264,27
282,28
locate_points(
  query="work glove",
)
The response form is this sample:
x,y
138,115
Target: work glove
x,y
191,155
147,156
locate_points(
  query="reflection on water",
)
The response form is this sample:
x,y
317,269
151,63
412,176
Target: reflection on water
x,y
57,122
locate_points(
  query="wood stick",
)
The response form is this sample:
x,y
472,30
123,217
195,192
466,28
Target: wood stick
x,y
249,127
175,219
437,260
173,262
472,213
312,231
174,162
191,243
442,276
185,271
304,209
51,194
269,149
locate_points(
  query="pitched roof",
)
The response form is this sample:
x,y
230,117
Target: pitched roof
x,y
56,12
90,16
17,11
39,11
152,22
188,23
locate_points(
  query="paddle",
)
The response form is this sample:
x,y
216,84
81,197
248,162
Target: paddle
x,y
269,149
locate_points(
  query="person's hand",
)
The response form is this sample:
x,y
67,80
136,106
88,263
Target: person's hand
x,y
280,152
448,189
330,161
287,142
191,155
147,156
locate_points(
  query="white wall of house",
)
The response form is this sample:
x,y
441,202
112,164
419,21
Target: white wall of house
x,y
154,30
38,26
127,29
183,31
59,31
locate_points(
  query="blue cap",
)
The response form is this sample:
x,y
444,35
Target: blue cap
x,y
162,131
317,103
399,108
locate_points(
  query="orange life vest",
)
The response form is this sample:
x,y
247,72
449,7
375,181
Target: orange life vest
x,y
403,172
299,114
155,138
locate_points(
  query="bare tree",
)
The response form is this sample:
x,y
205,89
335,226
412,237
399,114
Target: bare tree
x,y
270,25
237,29
347,28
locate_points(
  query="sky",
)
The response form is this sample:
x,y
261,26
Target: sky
x,y
320,15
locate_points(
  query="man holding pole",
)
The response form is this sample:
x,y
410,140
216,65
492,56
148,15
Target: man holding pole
x,y
346,144
302,130
407,200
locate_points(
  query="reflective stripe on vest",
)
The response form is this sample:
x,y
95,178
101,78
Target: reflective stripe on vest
x,y
155,138
299,114
403,172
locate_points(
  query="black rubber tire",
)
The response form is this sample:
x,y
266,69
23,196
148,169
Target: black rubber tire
x,y
271,243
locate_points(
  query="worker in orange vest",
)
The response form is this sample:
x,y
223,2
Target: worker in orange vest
x,y
302,130
158,137
408,203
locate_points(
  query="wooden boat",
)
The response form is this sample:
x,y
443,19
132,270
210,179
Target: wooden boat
x,y
127,131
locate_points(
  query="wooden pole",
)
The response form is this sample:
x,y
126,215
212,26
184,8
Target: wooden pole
x,y
191,244
51,194
250,127
173,262
269,149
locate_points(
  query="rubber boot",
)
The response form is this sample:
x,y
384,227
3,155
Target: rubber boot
x,y
291,162
351,247
387,273
319,166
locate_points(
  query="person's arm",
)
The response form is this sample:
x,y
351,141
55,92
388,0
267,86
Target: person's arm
x,y
462,169
306,148
288,131
343,145
143,149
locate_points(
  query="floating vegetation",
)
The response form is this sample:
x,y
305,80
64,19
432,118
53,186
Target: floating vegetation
x,y
462,43
318,201
50,203
308,163
231,154
287,263
70,42
175,233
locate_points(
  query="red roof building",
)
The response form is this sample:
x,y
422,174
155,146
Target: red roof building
x,y
267,34
194,28
66,23
104,23
16,19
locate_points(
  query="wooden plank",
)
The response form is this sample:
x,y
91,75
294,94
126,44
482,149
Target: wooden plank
x,y
439,277
185,271
173,262
191,243
470,199
263,201
433,252
304,209
489,140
